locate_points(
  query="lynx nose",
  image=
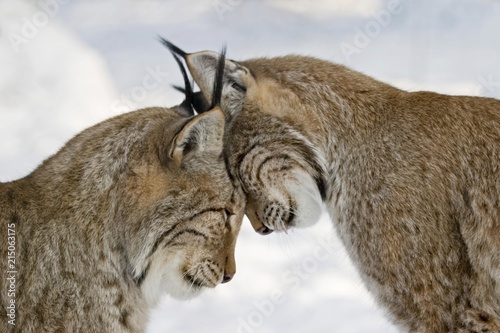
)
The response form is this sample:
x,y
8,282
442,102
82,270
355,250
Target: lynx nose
x,y
264,231
227,277
257,224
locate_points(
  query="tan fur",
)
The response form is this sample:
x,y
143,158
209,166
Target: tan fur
x,y
411,180
113,221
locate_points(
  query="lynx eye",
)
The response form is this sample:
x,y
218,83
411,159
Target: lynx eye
x,y
237,86
228,214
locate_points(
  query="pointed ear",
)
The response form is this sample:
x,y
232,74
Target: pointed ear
x,y
202,135
236,79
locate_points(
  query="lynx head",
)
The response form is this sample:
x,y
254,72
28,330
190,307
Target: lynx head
x,y
155,180
189,186
182,213
267,153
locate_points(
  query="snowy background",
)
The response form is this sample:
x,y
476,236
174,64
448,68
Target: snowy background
x,y
67,64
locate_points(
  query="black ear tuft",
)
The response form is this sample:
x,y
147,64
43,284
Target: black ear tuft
x,y
219,79
187,104
172,47
186,107
200,103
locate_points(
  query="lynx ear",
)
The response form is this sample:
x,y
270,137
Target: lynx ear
x,y
200,136
236,79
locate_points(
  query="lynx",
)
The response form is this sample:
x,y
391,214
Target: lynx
x,y
135,207
411,180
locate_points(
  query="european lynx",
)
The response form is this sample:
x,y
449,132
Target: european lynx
x,y
411,180
132,208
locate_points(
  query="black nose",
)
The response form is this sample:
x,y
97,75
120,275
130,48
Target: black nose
x,y
227,277
264,231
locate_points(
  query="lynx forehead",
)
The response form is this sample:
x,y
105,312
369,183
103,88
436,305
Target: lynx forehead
x,y
411,180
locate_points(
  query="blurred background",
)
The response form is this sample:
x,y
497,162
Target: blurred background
x,y
67,64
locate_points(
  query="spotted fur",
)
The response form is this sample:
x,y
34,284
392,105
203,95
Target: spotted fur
x,y
410,180
133,208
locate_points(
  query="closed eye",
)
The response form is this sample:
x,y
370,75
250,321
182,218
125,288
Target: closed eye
x,y
237,86
228,215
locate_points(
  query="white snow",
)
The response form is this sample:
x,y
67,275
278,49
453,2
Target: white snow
x,y
90,59
51,88
324,9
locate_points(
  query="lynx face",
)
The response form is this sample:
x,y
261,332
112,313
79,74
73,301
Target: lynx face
x,y
283,189
277,167
184,214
